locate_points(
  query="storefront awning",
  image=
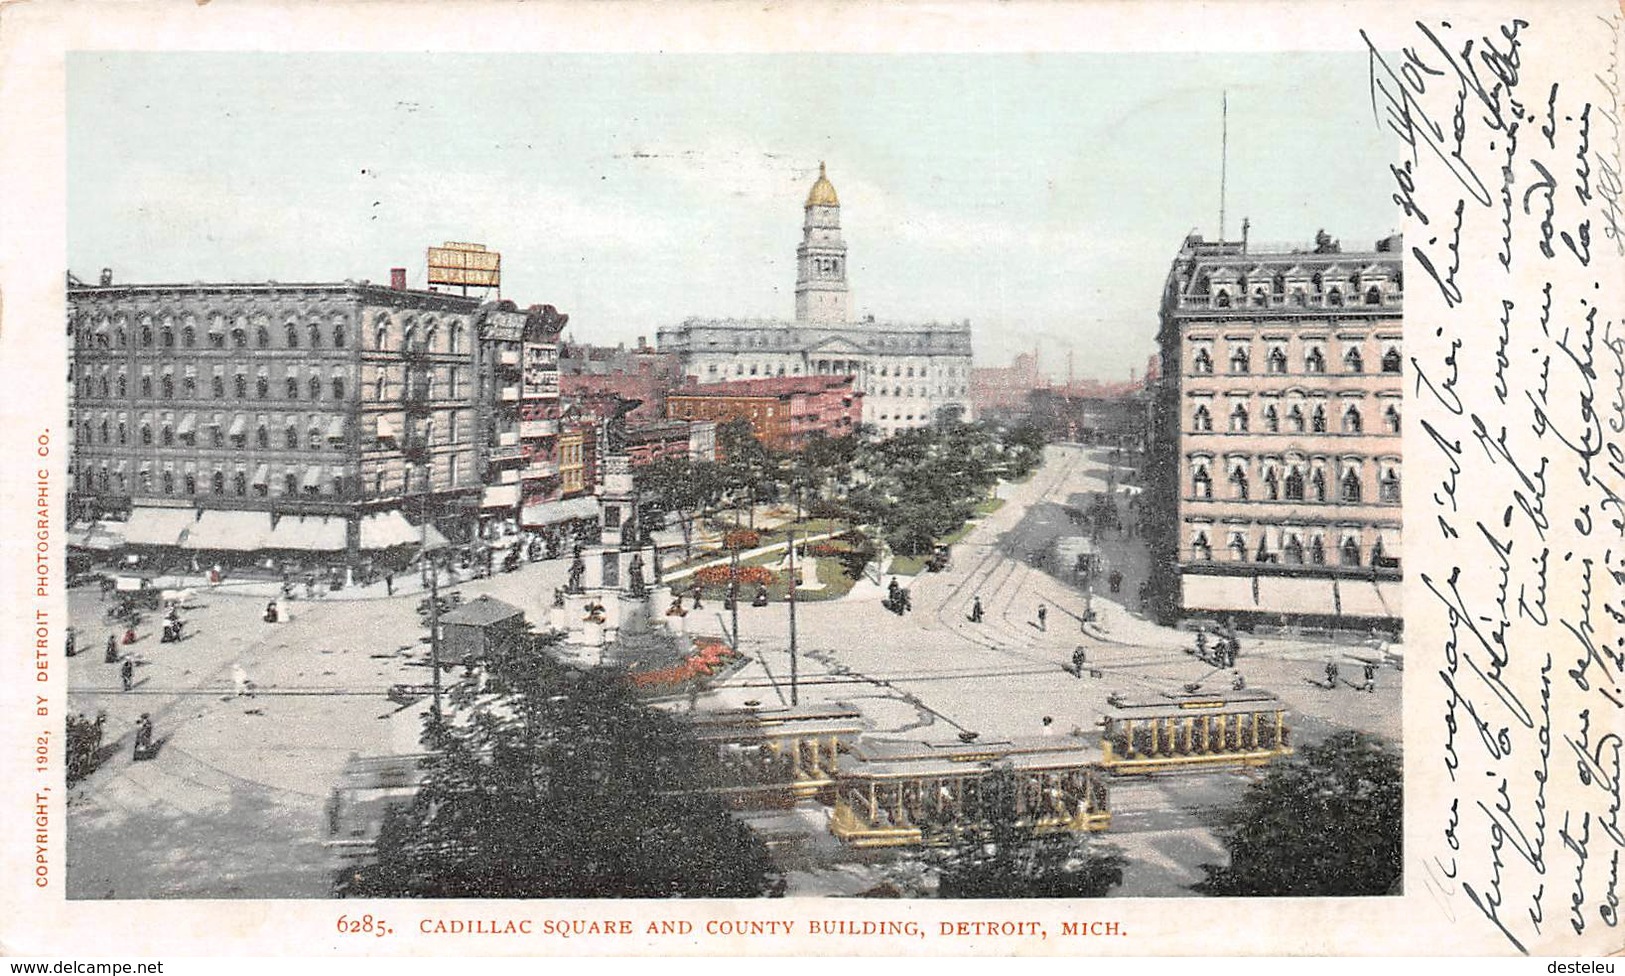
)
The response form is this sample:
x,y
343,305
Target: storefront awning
x,y
262,475
239,426
158,526
310,533
385,530
500,496
313,478
551,513
230,531
188,425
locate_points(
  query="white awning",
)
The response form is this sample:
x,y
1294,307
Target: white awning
x,y
311,533
385,530
239,426
158,526
313,477
188,425
500,496
230,531
335,430
550,513
262,475
386,427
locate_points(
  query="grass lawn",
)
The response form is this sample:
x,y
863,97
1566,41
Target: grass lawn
x,y
989,506
836,583
906,565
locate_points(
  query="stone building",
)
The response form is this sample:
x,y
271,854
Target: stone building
x,y
332,402
1276,463
907,373
519,386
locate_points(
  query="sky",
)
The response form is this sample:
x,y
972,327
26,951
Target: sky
x,y
1042,197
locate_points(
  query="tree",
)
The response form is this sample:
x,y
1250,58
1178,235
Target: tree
x,y
1328,821
995,851
549,782
682,487
748,470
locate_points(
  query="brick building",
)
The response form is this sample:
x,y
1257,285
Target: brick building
x,y
783,411
1276,461
639,374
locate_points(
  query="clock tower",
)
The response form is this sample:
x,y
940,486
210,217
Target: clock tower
x,y
821,294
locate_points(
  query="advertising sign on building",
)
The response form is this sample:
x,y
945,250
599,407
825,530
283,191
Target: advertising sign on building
x,y
465,264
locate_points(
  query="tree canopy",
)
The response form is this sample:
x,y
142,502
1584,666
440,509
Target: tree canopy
x,y
1328,821
551,782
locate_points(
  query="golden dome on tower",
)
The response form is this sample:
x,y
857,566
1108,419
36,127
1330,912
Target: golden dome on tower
x,y
822,193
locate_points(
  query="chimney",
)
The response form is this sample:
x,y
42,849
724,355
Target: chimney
x,y
397,279
643,343
107,277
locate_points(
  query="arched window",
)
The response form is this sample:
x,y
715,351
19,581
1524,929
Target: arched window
x,y
123,384
1349,490
315,387
1390,360
1262,555
239,338
146,386
1334,297
1238,418
1202,362
1272,419
456,338
1389,489
1353,362
1318,421
290,435
1317,551
1390,419
166,337
1351,552
1238,547
1260,296
382,337
1202,421
169,482
293,387
262,436
1294,485
1299,297
262,337
1295,418
189,386
1201,548
166,435
338,387
1222,299
1314,361
146,434
239,484
188,337
262,386
166,386
1293,550
1238,360
293,336
218,386
1238,483
146,335
102,384
1373,295
1272,486
218,482
1201,482
315,336
105,432
379,386
1317,484
1277,360
338,335
240,386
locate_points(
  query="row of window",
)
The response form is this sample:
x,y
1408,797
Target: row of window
x,y
306,481
1296,482
1290,547
187,387
1275,361
1294,419
104,335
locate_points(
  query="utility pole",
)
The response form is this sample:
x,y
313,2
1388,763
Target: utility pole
x,y
794,696
434,606
733,593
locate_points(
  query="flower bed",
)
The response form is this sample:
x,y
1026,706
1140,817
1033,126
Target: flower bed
x,y
742,539
709,657
717,576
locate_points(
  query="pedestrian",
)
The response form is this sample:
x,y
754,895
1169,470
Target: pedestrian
x,y
111,657
976,609
1043,615
1115,580
143,737
1370,684
1238,682
1049,726
389,583
126,673
1079,659
72,646
1331,675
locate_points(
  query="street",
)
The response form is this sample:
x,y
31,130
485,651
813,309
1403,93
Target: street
x,y
234,804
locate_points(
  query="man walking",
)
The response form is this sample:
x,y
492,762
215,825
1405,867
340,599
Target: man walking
x,y
126,673
389,584
1043,614
1370,683
976,609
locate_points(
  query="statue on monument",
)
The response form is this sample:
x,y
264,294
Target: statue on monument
x,y
634,577
578,569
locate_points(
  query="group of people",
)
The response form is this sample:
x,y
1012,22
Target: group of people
x,y
1368,681
897,598
1222,654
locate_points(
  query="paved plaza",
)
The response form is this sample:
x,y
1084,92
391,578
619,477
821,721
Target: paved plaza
x,y
256,720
